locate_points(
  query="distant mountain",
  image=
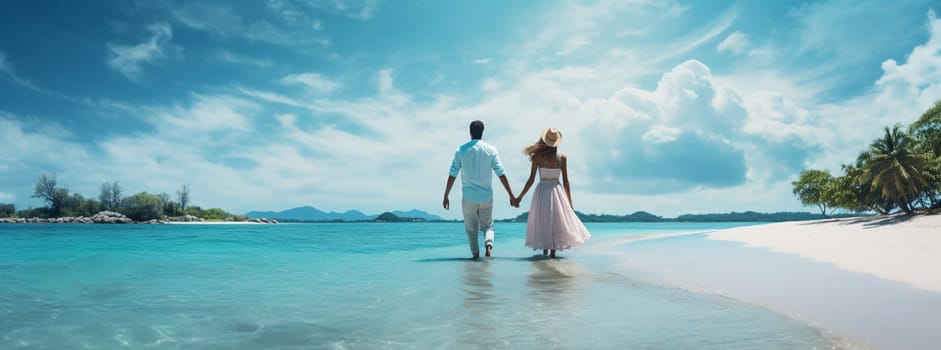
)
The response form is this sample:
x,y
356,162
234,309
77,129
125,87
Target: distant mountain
x,y
309,213
415,213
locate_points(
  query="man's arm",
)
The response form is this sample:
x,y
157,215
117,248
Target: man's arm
x,y
452,174
506,185
447,190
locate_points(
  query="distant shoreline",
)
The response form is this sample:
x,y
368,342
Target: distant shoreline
x,y
637,217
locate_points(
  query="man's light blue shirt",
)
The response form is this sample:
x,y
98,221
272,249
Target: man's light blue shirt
x,y
476,161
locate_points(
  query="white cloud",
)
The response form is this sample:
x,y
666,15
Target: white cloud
x,y
7,197
387,89
490,85
920,73
214,18
483,60
270,97
572,45
39,146
589,24
661,134
207,114
291,24
286,120
128,60
685,134
358,9
736,43
313,81
785,108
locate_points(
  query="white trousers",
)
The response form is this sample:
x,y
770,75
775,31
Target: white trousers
x,y
478,217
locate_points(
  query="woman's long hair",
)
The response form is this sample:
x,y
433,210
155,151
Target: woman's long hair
x,y
540,151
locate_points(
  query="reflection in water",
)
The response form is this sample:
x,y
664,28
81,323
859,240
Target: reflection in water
x,y
478,285
480,305
554,299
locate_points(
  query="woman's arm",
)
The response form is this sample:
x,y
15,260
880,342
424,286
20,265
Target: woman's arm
x,y
565,179
529,183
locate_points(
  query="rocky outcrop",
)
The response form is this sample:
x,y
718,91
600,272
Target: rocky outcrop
x,y
104,217
264,221
110,217
191,218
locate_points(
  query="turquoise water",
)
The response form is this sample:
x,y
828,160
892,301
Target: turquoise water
x,y
352,286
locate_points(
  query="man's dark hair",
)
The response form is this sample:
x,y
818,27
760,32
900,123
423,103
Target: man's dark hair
x,y
477,129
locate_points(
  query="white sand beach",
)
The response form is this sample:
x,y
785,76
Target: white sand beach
x,y
873,281
897,248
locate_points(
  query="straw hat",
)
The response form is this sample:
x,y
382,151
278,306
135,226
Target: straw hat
x,y
552,137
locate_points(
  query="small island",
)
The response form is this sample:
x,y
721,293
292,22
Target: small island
x,y
111,207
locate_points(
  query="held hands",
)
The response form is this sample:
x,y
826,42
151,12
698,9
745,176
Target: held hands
x,y
515,201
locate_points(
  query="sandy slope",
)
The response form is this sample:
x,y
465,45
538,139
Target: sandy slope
x,y
900,249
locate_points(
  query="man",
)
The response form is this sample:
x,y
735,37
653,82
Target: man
x,y
475,160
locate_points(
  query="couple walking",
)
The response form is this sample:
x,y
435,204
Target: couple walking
x,y
552,223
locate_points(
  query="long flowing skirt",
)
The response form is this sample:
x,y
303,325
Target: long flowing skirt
x,y
552,222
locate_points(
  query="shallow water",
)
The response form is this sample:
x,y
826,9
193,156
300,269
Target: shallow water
x,y
341,286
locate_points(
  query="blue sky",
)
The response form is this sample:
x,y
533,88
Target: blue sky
x,y
668,107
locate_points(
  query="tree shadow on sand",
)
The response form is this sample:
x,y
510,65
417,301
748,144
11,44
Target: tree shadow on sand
x,y
869,221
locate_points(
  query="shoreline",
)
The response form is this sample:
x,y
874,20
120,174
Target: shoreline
x,y
870,281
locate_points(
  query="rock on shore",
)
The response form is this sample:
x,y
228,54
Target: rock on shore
x,y
104,217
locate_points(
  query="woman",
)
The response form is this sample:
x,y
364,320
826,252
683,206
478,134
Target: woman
x,y
552,223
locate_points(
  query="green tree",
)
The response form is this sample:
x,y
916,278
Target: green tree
x,y
193,210
184,197
70,203
852,193
110,197
77,205
143,206
33,213
47,190
170,208
927,133
894,169
814,187
927,130
7,210
214,214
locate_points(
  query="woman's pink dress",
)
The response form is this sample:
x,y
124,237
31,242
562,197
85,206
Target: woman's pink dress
x,y
552,222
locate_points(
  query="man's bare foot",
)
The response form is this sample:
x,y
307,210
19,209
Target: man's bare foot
x,y
489,249
552,254
545,252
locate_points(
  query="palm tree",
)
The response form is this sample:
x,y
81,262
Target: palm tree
x,y
894,169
